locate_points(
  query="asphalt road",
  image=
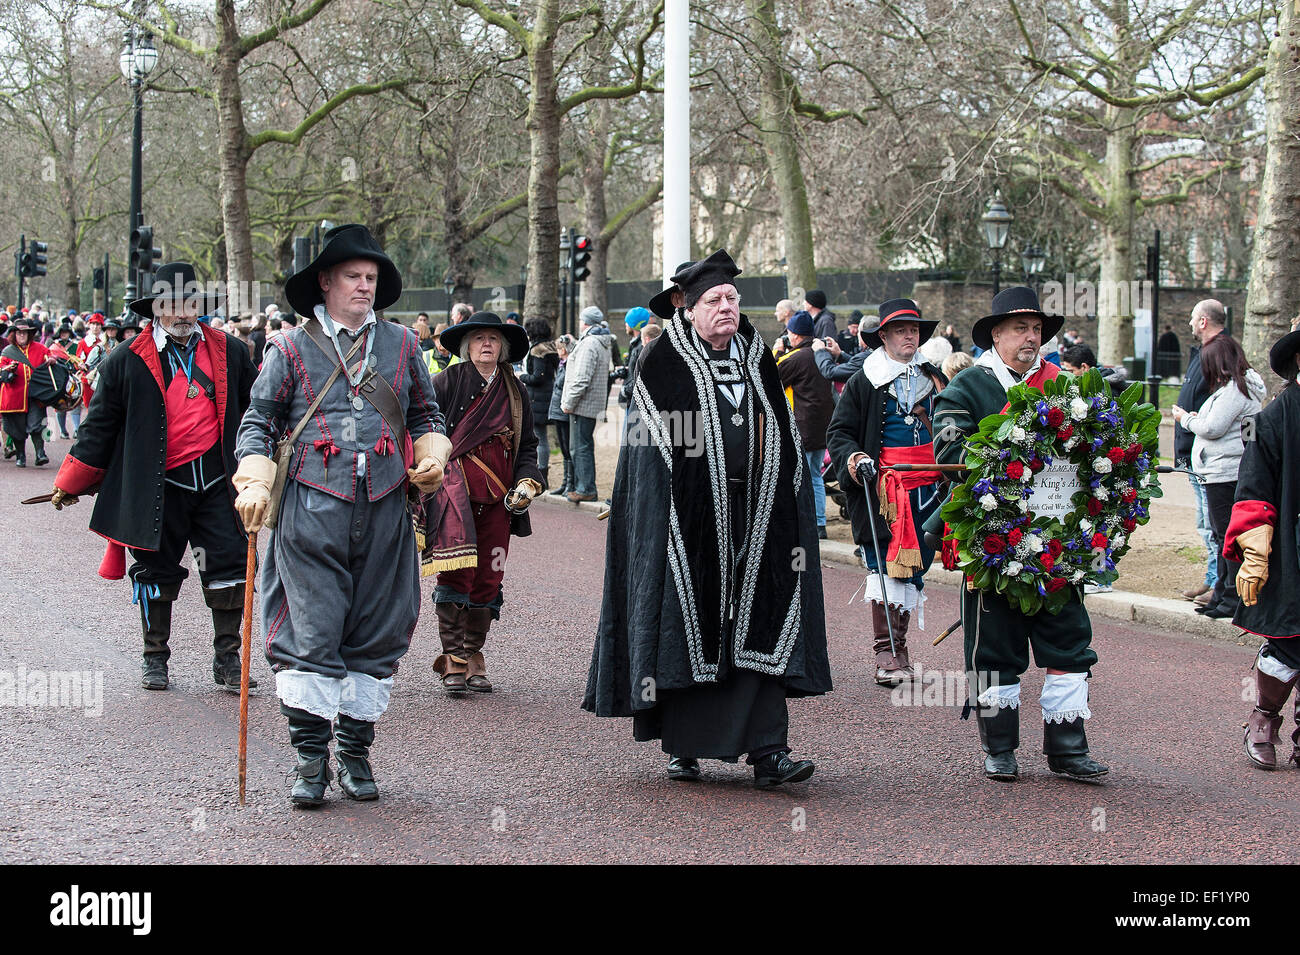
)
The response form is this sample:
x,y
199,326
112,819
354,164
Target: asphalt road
x,y
523,774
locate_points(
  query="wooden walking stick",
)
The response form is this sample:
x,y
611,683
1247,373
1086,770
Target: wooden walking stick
x,y
246,635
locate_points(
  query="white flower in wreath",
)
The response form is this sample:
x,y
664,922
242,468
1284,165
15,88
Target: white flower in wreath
x,y
1023,505
1034,542
1018,435
1078,409
1101,465
1118,542
1101,494
1085,525
1027,475
1023,549
1013,568
1072,443
989,502
1076,577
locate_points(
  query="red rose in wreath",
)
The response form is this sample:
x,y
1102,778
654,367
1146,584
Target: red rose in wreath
x,y
994,544
1015,470
1129,524
1131,455
1055,546
1047,560
1116,455
1129,496
1054,584
1066,433
1014,536
1094,507
1036,465
1055,417
1100,540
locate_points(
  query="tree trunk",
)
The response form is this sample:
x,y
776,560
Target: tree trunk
x,y
461,266
542,300
595,289
234,156
1114,307
1273,297
778,133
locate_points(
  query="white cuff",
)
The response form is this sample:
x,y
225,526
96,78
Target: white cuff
x,y
1001,696
1275,668
364,697
901,593
316,693
1065,697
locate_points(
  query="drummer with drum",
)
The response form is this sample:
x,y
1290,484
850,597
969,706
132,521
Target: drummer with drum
x,y
23,416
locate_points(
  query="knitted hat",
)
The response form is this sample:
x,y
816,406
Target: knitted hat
x,y
637,317
801,323
591,315
816,298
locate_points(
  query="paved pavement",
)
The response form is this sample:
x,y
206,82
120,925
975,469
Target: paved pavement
x,y
524,775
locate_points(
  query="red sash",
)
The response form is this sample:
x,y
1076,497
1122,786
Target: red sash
x,y
1047,371
904,556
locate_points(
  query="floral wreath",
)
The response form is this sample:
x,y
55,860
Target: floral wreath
x,y
1037,561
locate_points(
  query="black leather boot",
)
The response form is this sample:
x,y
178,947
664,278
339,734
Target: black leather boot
x,y
354,739
999,737
1066,746
227,606
156,621
310,735
777,768
38,442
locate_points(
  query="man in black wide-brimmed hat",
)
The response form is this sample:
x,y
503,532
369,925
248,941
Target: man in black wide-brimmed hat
x,y
712,614
160,430
340,582
997,634
1263,535
492,477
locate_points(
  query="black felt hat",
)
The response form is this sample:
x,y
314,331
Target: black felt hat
x,y
515,336
899,310
662,303
342,243
176,281
1281,357
698,277
1018,301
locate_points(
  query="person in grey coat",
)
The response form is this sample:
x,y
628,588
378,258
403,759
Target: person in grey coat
x,y
340,582
585,395
1221,427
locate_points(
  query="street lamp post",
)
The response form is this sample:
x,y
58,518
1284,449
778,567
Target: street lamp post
x,y
997,226
1031,261
136,61
449,287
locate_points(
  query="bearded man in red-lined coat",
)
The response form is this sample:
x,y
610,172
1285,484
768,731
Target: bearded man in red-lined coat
x,y
157,444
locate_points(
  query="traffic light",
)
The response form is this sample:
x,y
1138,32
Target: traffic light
x,y
143,254
301,253
37,258
581,255
98,282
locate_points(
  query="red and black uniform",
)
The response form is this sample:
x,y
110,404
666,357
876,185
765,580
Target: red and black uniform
x,y
158,443
22,416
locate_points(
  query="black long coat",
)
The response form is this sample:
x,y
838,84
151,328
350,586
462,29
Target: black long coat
x,y
121,446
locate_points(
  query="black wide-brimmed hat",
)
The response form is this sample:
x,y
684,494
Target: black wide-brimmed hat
x,y
662,304
899,310
342,243
1019,301
25,323
1281,357
176,281
515,336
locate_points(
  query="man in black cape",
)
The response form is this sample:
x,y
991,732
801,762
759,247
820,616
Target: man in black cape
x,y
712,612
1264,536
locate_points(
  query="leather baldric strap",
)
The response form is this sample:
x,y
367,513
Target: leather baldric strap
x,y
374,387
491,475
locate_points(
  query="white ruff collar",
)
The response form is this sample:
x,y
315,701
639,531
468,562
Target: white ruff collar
x,y
991,360
880,370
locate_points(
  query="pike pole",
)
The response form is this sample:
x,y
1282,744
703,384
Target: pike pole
x,y
246,641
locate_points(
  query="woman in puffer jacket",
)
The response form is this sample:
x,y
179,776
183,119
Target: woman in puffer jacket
x,y
1222,426
538,377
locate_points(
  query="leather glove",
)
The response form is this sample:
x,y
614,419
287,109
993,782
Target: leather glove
x,y
431,453
253,480
62,499
1255,545
517,501
862,468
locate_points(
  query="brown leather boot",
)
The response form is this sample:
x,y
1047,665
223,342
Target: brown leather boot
x,y
478,620
1266,719
452,664
902,618
888,670
1295,734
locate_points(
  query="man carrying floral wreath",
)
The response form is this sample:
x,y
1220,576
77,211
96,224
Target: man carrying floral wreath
x,y
997,627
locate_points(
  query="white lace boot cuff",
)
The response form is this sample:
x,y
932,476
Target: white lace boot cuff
x,y
1065,697
316,693
1001,696
364,697
1275,668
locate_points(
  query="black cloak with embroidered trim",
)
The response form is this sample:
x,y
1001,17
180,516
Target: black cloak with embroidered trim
x,y
681,606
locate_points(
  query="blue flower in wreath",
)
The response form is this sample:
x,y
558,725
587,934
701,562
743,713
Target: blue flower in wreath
x,y
982,486
1042,415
